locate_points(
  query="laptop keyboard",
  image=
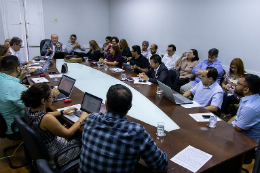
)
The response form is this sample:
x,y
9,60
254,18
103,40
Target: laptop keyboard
x,y
60,96
177,100
77,113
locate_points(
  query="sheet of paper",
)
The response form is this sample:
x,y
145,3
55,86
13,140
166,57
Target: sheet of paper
x,y
136,81
37,67
191,158
73,118
192,105
55,75
199,118
117,70
39,80
38,61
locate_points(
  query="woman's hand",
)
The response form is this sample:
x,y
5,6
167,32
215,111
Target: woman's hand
x,y
68,111
55,92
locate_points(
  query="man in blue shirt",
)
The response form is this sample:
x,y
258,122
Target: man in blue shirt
x,y
198,69
208,93
73,46
248,113
110,143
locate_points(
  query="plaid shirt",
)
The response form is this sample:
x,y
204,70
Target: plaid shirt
x,y
110,143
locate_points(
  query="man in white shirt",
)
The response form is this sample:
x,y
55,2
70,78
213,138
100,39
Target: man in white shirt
x,y
153,51
170,58
15,46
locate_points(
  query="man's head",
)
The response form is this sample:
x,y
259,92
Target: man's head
x,y
114,41
136,51
153,49
247,85
54,38
209,76
16,44
7,42
212,55
11,65
73,38
171,50
155,61
145,45
119,99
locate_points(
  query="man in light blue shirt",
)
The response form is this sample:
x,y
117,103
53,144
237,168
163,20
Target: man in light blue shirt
x,y
248,114
15,46
198,69
208,93
74,46
11,90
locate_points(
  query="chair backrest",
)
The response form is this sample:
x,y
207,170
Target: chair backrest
x,y
3,127
222,77
225,95
32,140
174,75
42,43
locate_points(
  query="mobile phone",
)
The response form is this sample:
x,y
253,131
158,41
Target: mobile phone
x,y
206,116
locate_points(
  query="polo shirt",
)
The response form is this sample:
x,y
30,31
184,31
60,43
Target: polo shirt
x,y
141,62
10,99
206,96
248,116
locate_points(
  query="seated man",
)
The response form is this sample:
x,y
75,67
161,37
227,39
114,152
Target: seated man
x,y
145,50
74,46
15,46
248,113
208,93
198,69
138,62
11,90
153,51
157,72
170,58
110,143
52,46
7,42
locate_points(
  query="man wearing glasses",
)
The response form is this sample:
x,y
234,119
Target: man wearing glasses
x,y
170,58
15,46
198,69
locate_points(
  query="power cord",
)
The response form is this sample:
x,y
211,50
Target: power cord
x,y
13,153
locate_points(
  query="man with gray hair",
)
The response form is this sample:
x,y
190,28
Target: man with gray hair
x,y
52,46
15,46
145,50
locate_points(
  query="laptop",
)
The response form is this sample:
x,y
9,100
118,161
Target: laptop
x,y
127,66
175,98
65,87
90,104
45,65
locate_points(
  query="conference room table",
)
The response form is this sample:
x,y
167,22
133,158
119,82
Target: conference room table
x,y
224,143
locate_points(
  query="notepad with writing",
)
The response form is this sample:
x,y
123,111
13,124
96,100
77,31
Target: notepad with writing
x,y
39,80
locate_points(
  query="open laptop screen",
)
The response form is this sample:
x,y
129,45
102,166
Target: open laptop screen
x,y
91,103
66,85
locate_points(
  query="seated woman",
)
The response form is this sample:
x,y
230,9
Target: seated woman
x,y
145,50
4,50
114,42
37,98
236,71
186,65
106,43
125,48
114,58
95,51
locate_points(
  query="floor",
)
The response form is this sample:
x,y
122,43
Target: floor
x,y
20,158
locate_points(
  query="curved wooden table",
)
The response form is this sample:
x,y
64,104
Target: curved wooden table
x,y
227,146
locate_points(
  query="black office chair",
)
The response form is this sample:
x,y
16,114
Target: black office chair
x,y
3,129
174,75
37,149
225,94
222,77
41,45
43,166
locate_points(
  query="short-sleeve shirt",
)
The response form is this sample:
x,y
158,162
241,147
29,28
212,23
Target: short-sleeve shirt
x,y
248,116
10,99
141,62
118,59
206,96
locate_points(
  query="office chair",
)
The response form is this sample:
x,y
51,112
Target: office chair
x,y
174,75
37,149
222,77
3,129
41,45
43,166
225,95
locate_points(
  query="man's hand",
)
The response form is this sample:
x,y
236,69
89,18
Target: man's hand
x,y
55,92
128,58
58,45
134,67
33,70
199,72
50,49
143,76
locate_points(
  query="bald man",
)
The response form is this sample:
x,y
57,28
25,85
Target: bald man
x,y
52,46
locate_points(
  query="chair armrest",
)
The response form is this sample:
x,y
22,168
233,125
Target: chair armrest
x,y
13,127
43,166
64,150
70,166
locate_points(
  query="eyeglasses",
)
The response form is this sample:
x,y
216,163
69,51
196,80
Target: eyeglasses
x,y
238,83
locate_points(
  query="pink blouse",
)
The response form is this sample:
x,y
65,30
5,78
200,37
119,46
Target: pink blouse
x,y
185,69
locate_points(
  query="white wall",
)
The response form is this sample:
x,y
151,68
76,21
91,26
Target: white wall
x,y
232,26
2,38
88,19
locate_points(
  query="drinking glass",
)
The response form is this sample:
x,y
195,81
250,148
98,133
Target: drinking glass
x,y
212,121
160,129
123,76
105,67
98,63
159,91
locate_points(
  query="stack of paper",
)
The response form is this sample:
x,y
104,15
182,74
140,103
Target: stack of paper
x,y
117,70
138,80
39,80
192,105
199,117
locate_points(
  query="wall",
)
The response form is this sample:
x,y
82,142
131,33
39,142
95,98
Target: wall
x,y
2,38
231,26
88,19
